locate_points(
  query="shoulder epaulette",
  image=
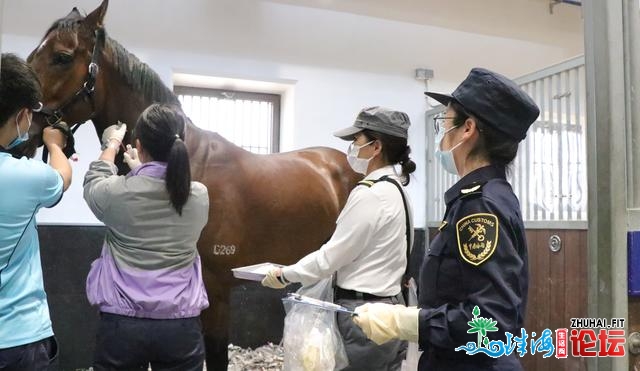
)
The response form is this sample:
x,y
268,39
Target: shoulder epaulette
x,y
367,183
472,189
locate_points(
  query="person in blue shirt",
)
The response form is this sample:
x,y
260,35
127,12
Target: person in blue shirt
x,y
26,185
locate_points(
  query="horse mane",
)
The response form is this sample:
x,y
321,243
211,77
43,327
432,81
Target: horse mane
x,y
135,73
139,75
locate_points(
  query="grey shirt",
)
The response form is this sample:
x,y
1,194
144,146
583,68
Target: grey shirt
x,y
144,230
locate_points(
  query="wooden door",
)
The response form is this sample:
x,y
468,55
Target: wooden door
x,y
558,287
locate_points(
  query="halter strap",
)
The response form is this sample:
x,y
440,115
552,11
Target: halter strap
x,y
54,116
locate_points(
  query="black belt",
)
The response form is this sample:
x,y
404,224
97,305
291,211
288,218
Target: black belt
x,y
341,293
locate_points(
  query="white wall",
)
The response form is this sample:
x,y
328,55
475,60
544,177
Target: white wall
x,y
335,62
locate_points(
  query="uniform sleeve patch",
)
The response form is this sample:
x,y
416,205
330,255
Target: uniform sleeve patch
x,y
477,237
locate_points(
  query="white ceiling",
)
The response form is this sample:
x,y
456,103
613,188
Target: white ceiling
x,y
489,17
380,36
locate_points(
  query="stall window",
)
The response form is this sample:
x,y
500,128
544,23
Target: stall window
x,y
249,120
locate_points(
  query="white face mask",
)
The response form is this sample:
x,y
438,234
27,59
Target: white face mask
x,y
359,165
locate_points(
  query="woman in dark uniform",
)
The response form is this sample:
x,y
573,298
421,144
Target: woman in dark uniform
x,y
479,256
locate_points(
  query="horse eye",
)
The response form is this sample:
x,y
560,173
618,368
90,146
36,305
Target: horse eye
x,y
62,58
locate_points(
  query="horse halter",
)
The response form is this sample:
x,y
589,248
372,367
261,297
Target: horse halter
x,y
53,117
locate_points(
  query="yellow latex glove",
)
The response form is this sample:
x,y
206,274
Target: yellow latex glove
x,y
274,279
382,322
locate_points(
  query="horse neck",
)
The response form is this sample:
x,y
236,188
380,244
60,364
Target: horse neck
x,y
119,102
122,102
125,88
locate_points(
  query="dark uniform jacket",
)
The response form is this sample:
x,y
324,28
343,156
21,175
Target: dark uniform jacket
x,y
478,258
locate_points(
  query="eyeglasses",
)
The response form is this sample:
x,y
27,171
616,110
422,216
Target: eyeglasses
x,y
438,122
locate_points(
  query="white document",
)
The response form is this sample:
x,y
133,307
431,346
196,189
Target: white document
x,y
326,305
255,272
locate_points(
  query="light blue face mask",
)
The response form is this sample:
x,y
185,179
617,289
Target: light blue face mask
x,y
446,157
22,137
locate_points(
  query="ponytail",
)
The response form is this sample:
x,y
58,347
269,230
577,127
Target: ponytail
x,y
394,151
407,165
178,178
160,129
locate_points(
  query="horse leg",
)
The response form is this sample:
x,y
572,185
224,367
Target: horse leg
x,y
215,323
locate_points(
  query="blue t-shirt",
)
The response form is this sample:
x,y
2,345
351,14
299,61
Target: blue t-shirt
x,y
25,186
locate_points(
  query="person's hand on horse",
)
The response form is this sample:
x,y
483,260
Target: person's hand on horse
x,y
52,136
382,322
113,135
131,157
275,279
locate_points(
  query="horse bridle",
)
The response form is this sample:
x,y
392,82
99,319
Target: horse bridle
x,y
53,117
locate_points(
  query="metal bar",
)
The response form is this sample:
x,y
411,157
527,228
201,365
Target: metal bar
x,y
567,148
428,184
605,77
528,165
548,135
551,70
523,167
559,147
632,82
537,153
579,152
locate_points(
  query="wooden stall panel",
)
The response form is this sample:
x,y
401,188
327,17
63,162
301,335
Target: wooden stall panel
x,y
557,291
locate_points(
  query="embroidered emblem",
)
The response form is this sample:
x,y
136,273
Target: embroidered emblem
x,y
477,237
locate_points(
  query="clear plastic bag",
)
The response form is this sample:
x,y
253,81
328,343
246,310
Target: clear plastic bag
x,y
413,354
311,339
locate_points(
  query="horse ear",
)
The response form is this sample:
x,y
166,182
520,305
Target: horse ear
x,y
95,18
74,13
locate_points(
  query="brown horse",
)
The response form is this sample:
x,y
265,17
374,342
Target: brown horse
x,y
263,207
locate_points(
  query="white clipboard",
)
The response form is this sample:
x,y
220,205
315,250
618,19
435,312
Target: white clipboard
x,y
254,272
326,305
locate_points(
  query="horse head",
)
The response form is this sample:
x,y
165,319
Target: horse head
x,y
67,64
86,75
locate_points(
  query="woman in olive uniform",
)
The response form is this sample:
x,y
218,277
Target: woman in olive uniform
x,y
479,256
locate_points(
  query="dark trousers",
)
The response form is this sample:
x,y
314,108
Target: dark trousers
x,y
364,354
128,343
37,356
